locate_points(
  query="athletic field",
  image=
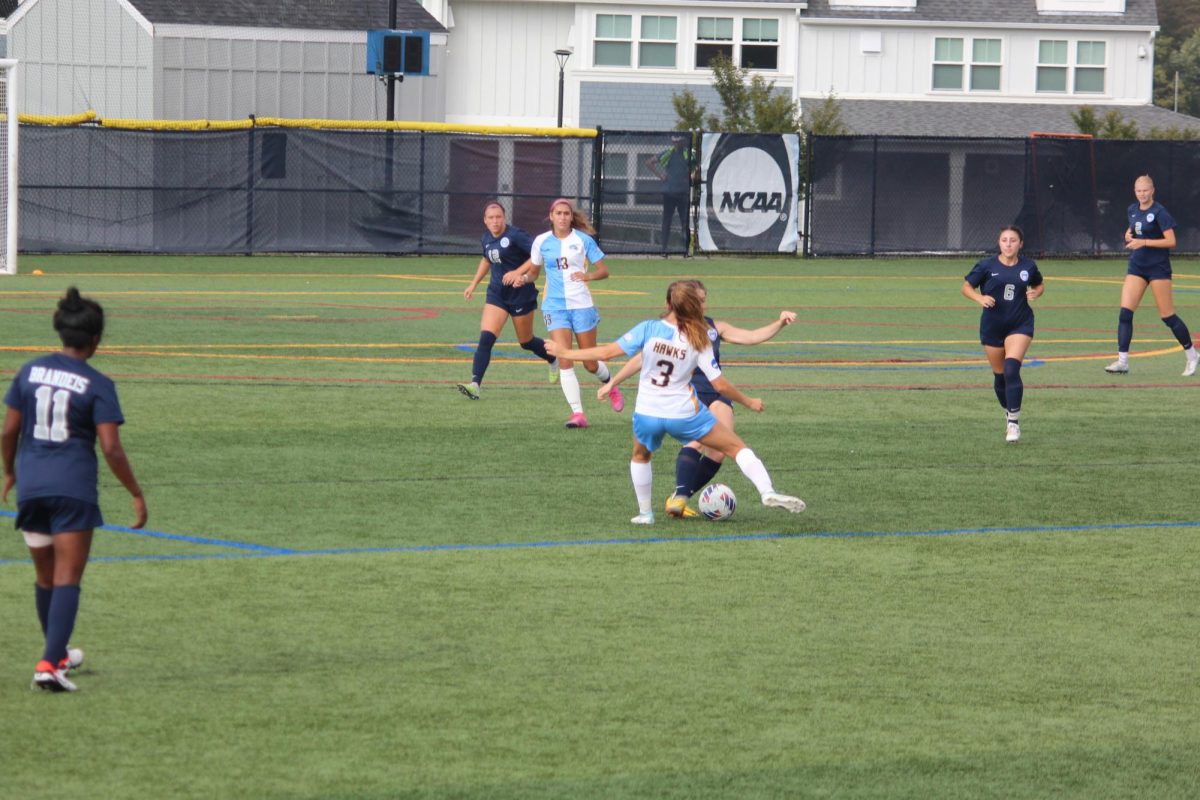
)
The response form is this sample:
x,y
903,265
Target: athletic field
x,y
356,583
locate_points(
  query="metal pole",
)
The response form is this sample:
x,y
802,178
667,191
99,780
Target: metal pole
x,y
1176,91
560,94
391,79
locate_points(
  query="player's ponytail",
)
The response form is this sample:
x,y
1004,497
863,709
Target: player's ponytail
x,y
686,303
79,320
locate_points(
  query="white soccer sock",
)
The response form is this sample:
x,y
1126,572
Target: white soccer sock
x,y
602,372
1191,353
570,389
643,481
753,468
1123,358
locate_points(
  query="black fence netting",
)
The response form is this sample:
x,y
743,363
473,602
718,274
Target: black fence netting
x,y
899,195
646,200
286,190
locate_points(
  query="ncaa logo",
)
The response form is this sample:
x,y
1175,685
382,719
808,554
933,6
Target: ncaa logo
x,y
749,196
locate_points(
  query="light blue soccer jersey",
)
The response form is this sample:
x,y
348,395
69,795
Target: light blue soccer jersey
x,y
668,361
560,258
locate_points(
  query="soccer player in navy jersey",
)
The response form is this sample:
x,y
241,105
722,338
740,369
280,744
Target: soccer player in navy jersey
x,y
58,406
1003,285
1149,239
505,248
695,464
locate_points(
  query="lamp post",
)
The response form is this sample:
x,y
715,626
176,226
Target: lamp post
x,y
561,57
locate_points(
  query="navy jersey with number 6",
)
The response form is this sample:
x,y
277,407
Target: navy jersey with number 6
x,y
1008,285
61,400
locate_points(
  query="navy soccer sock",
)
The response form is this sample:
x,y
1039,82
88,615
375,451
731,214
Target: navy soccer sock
x,y
1124,330
1014,388
705,473
687,463
999,388
42,595
1182,335
538,348
64,606
483,355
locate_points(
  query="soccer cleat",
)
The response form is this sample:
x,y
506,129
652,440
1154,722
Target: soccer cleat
x,y
471,390
677,507
1119,367
777,500
617,400
72,660
577,420
1012,433
554,372
1190,369
644,518
48,677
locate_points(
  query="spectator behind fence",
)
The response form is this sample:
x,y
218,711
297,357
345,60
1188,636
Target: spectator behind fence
x,y
672,168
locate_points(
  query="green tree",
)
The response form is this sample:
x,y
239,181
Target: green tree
x,y
825,118
1182,59
1111,126
749,104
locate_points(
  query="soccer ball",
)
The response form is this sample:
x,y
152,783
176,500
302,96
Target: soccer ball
x,y
717,502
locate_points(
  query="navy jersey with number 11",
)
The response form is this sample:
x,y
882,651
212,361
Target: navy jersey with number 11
x,y
61,400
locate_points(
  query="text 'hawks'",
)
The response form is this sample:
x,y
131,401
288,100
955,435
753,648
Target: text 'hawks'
x,y
664,349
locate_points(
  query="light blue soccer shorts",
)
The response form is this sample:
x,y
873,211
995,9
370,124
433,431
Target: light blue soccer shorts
x,y
578,320
651,430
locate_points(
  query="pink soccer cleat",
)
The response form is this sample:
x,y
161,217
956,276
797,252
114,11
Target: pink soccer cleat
x,y
617,399
577,420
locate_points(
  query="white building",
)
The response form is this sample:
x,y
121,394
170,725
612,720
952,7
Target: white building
x,y
220,59
923,67
919,67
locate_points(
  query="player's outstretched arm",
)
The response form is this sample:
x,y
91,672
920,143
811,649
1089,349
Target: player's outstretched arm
x,y
598,353
735,394
735,335
631,366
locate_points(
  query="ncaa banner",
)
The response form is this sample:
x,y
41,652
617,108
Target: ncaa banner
x,y
748,192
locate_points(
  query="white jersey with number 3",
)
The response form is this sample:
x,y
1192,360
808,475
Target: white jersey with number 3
x,y
668,360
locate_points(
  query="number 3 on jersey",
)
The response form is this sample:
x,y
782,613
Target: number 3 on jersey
x,y
50,424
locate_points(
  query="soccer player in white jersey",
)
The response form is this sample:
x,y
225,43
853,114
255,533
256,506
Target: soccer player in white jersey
x,y
566,251
672,348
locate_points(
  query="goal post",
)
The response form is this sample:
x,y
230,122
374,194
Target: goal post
x,y
8,166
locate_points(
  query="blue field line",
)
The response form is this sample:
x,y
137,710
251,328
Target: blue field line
x,y
175,537
256,551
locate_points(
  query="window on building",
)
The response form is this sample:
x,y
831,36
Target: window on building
x,y
1089,67
1052,66
657,45
985,65
714,37
948,64
614,40
760,44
